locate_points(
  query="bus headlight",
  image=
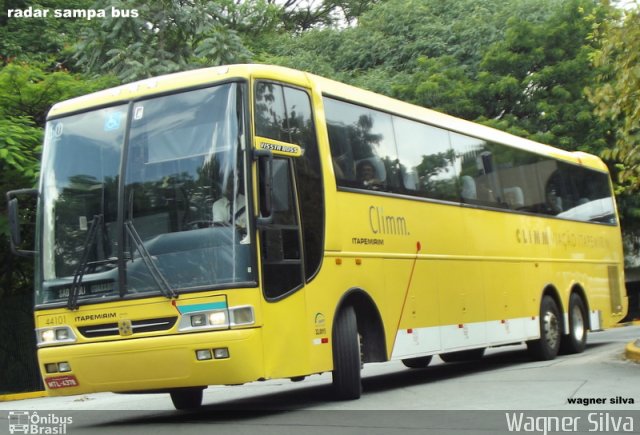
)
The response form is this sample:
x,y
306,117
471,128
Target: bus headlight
x,y
242,316
198,320
204,320
55,335
217,319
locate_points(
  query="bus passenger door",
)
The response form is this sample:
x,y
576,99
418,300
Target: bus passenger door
x,y
285,344
292,242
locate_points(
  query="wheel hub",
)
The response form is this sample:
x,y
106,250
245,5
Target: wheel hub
x,y
551,329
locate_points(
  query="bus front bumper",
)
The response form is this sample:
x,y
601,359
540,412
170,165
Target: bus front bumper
x,y
155,363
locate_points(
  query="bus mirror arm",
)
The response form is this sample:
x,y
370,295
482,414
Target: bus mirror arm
x,y
14,220
265,162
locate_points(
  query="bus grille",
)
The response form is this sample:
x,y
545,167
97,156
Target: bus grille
x,y
138,326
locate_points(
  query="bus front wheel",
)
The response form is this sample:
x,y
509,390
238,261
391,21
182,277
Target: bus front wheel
x,y
186,398
576,340
347,383
547,346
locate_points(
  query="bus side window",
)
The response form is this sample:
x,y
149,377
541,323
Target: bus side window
x,y
359,137
343,164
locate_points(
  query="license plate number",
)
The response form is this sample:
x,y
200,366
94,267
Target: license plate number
x,y
62,382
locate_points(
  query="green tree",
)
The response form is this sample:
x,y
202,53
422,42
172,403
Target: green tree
x,y
533,80
616,93
296,16
426,52
27,92
46,40
616,96
166,36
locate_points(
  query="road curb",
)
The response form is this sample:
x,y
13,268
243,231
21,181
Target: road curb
x,y
22,396
632,351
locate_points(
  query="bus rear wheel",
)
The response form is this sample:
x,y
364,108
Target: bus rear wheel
x,y
187,398
462,355
547,346
576,340
347,382
417,363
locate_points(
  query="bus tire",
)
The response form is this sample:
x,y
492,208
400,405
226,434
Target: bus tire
x,y
546,347
187,398
576,340
347,382
462,355
417,363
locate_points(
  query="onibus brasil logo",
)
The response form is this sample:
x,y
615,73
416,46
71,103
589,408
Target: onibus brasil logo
x,y
28,422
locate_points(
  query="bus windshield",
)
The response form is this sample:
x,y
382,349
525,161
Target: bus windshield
x,y
171,216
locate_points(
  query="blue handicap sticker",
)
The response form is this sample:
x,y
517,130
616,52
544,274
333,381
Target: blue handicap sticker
x,y
113,121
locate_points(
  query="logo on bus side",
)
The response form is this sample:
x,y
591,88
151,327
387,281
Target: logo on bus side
x,y
381,223
124,327
278,147
566,239
321,328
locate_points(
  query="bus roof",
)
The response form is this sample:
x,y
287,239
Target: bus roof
x,y
202,77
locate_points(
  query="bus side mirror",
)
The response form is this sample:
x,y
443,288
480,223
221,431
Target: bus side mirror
x,y
265,186
13,210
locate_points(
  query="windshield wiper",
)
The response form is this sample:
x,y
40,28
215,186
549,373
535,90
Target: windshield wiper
x,y
72,302
155,273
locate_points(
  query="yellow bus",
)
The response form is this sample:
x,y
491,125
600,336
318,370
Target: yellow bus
x,y
251,222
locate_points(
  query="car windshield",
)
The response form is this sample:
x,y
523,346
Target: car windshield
x,y
171,216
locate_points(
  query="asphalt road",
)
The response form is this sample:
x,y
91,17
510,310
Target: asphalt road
x,y
468,398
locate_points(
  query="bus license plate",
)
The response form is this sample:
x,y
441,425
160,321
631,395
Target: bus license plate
x,y
62,382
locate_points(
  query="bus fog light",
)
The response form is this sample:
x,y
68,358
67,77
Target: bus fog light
x,y
51,368
221,353
64,367
198,320
203,354
218,318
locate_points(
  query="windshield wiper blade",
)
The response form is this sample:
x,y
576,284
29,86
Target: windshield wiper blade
x,y
155,273
72,302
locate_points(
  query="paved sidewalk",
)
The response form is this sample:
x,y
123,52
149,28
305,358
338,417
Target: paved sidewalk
x,y
22,396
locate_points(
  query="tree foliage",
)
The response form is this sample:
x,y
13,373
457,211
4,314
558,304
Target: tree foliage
x,y
174,35
518,65
27,92
616,93
535,78
166,36
40,39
